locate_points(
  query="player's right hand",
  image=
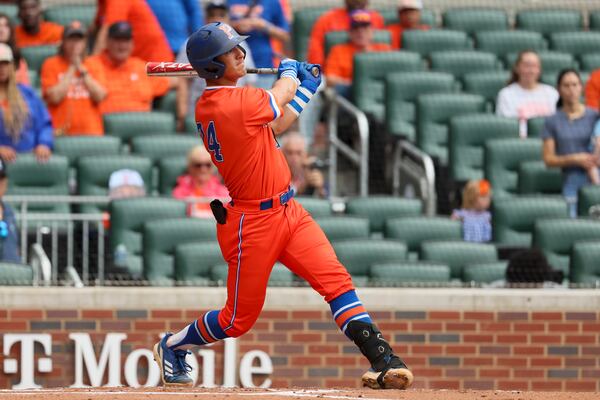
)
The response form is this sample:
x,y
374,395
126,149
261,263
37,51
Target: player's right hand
x,y
307,77
288,67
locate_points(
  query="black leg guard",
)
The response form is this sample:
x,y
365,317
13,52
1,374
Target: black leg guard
x,y
374,347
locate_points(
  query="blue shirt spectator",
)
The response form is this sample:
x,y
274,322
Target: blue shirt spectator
x,y
9,234
178,19
263,21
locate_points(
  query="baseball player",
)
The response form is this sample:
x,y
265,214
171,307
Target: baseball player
x,y
263,223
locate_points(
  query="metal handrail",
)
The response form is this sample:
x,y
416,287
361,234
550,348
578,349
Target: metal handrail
x,y
359,158
419,166
42,268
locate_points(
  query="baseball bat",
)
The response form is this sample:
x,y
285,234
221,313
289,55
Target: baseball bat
x,y
185,69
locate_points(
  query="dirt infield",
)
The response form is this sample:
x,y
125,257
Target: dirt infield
x,y
282,394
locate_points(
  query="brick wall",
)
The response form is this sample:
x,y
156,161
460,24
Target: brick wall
x,y
445,349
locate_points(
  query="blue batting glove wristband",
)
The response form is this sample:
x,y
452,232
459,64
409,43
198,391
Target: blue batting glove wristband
x,y
301,99
288,67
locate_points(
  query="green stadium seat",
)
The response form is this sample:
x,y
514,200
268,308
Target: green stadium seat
x,y
587,197
458,254
409,273
370,71
415,230
316,207
161,237
536,178
549,21
485,272
36,55
73,12
584,267
434,112
459,63
556,236
401,92
513,218
334,38
127,218
13,274
390,16
427,42
486,84
30,177
379,209
341,228
304,20
158,147
169,169
359,255
594,20
74,147
576,43
535,127
34,78
131,124
280,275
467,137
93,173
166,102
502,159
194,261
552,61
472,20
590,62
502,43
11,10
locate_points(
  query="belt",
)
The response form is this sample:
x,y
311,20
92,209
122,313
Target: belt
x,y
265,204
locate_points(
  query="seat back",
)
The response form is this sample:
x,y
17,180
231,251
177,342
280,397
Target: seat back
x,y
590,62
65,14
390,16
485,272
130,124
74,147
193,262
370,71
458,254
415,230
536,178
576,43
340,227
594,20
359,254
379,209
334,38
486,84
584,267
504,42
158,147
550,21
36,55
434,112
304,20
12,274
169,169
461,62
409,273
513,218
427,42
535,127
468,135
556,236
401,92
472,20
11,10
502,158
316,207
161,237
587,197
552,61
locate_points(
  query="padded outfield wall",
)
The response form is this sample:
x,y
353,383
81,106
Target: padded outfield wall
x,y
451,338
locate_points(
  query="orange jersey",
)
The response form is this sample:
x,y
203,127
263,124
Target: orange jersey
x,y
396,31
49,33
592,90
150,42
128,86
234,126
334,20
77,113
340,59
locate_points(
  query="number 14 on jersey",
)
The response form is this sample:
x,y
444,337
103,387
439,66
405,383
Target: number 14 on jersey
x,y
212,143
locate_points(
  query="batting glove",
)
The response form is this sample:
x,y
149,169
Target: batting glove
x,y
288,68
306,74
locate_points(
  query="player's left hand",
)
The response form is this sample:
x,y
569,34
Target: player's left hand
x,y
306,77
288,67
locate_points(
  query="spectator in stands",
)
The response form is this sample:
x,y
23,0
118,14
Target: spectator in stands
x,y
592,90
34,31
261,22
73,87
7,35
337,19
125,183
150,42
192,89
178,19
307,179
530,267
201,180
338,67
409,17
9,236
128,86
26,125
525,97
567,137
474,214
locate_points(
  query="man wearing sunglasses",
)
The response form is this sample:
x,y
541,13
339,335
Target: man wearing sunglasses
x,y
200,180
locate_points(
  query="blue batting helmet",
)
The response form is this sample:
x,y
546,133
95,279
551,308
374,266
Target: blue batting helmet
x,y
209,42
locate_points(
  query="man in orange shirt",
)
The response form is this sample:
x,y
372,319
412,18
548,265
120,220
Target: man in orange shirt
x,y
592,90
409,15
72,87
33,31
337,19
149,39
129,88
339,64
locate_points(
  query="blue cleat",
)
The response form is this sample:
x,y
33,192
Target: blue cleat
x,y
174,371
